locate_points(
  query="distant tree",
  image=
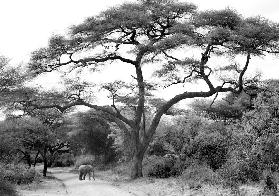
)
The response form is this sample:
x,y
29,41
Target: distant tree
x,y
8,151
228,110
92,133
152,33
232,106
33,138
11,78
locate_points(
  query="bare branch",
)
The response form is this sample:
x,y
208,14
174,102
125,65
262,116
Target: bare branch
x,y
204,59
240,79
84,62
81,102
181,81
113,104
169,56
214,99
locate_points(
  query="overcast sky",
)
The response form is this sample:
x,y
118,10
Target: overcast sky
x,y
27,24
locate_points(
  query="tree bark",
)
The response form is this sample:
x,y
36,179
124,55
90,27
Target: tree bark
x,y
35,159
136,169
44,155
45,167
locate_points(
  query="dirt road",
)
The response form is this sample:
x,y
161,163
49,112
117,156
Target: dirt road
x,y
67,184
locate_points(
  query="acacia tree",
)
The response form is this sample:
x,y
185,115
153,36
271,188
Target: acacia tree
x,y
11,81
155,33
33,137
53,135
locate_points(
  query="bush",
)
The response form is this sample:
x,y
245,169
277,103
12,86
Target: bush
x,y
211,145
84,160
64,160
6,188
156,148
161,167
17,174
200,173
237,171
7,150
122,169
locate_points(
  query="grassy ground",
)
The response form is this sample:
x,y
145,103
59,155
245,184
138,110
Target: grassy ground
x,y
144,186
172,186
47,186
42,186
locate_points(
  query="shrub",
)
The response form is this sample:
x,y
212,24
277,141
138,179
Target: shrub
x,y
201,174
211,145
178,167
122,169
160,167
17,174
157,148
6,188
7,150
237,171
84,160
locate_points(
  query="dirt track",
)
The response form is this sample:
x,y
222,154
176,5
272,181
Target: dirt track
x,y
67,184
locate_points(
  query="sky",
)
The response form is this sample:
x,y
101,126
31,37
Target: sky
x,y
26,25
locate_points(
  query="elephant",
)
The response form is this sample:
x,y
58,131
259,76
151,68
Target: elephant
x,y
84,170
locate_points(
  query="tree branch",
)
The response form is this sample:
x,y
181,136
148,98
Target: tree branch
x,y
81,102
186,95
183,81
204,59
240,79
83,62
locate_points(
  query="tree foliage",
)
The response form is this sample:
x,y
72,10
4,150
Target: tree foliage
x,y
33,138
92,134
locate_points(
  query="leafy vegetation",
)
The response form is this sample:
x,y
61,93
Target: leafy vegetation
x,y
6,188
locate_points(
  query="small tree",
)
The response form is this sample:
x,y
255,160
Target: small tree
x,y
33,138
8,151
152,33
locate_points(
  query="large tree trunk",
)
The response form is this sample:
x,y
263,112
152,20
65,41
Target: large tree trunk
x,y
136,169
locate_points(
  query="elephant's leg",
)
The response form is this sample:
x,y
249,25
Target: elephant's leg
x,y
80,175
84,175
89,175
93,175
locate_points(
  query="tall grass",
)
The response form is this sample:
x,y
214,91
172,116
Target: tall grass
x,y
17,173
6,188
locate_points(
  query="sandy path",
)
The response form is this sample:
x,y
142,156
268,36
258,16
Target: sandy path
x,y
68,184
